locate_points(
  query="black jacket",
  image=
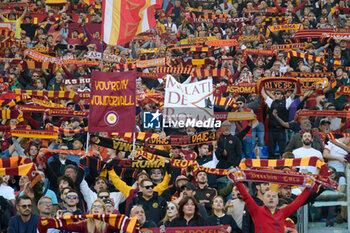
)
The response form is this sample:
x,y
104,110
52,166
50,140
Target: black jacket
x,y
214,220
181,222
206,193
155,208
233,146
54,170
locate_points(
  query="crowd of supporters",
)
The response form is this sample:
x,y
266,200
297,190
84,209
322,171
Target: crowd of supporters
x,y
72,184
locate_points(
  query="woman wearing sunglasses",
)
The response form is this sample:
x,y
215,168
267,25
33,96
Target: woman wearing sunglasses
x,y
171,213
92,225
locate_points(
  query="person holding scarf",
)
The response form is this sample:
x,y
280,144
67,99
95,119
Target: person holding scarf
x,y
276,132
269,218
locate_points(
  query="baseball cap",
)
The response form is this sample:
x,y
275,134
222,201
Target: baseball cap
x,y
189,185
181,177
324,121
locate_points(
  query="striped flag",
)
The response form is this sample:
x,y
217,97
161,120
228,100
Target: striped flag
x,y
123,19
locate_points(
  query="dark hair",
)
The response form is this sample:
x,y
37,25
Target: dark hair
x,y
71,190
100,178
67,179
104,191
184,202
200,172
71,166
203,144
43,81
23,197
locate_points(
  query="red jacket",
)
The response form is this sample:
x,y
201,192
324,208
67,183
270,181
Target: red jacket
x,y
264,220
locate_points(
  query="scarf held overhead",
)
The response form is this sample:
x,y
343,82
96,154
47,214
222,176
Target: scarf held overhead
x,y
120,222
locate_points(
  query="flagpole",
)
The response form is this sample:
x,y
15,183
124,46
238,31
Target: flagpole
x,y
87,142
101,63
133,141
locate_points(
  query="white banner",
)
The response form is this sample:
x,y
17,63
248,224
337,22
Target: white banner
x,y
187,102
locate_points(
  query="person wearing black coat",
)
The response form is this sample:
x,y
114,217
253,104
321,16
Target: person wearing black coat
x,y
188,214
154,205
220,218
229,147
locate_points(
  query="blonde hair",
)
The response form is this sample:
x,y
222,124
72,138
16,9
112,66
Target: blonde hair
x,y
101,226
166,218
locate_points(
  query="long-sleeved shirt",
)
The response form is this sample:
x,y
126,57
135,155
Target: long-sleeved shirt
x,y
16,224
264,220
90,196
130,192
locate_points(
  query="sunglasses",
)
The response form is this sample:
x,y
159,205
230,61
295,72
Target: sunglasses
x,y
239,103
97,207
148,187
103,197
278,93
46,203
26,206
156,172
170,207
72,196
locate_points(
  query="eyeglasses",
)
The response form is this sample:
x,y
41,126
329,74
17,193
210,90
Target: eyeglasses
x,y
170,207
72,196
26,206
103,197
46,203
97,207
148,187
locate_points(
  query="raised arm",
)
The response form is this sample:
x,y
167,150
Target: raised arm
x,y
119,183
24,13
249,201
299,7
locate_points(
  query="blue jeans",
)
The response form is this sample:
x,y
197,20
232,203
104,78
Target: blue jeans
x,y
247,147
289,134
260,132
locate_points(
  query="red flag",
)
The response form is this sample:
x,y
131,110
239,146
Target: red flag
x,y
123,19
113,99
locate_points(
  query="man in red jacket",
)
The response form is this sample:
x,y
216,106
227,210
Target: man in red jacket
x,y
268,218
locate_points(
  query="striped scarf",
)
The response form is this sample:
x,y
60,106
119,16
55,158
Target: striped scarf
x,y
9,114
211,72
306,56
28,64
222,101
174,70
337,62
119,222
21,170
65,131
52,95
14,161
